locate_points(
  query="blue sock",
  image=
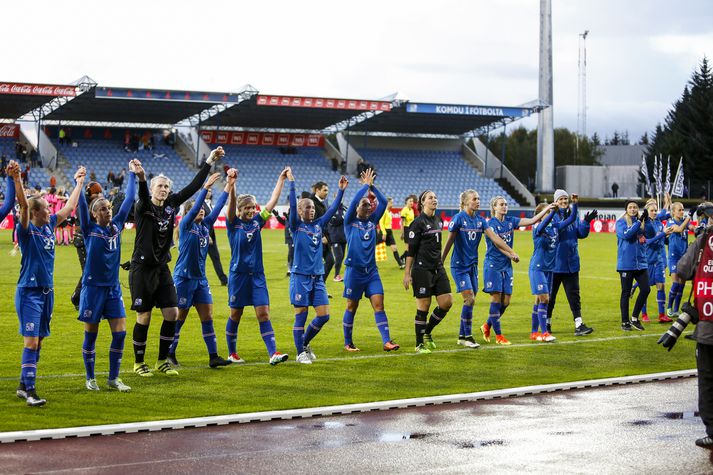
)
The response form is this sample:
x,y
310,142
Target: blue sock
x,y
466,321
535,318
494,316
542,316
298,331
231,334
268,336
116,351
348,325
88,352
672,294
382,323
176,336
679,295
661,300
211,343
643,309
314,327
29,368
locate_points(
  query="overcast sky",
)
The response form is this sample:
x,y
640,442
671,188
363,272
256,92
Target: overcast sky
x,y
640,53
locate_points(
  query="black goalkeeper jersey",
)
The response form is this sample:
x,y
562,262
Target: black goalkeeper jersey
x,y
425,242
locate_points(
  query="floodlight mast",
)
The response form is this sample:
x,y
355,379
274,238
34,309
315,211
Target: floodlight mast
x,y
581,90
544,181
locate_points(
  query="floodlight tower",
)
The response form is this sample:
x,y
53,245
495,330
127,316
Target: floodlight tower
x,y
544,181
582,86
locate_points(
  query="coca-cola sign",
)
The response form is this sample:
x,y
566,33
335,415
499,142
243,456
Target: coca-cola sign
x,y
36,89
322,103
10,130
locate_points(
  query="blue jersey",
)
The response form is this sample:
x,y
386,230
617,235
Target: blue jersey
x,y
9,202
545,237
469,231
308,236
655,250
37,247
193,238
361,233
677,242
246,244
631,253
506,230
103,243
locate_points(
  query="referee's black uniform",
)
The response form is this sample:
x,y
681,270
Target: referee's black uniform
x,y
150,279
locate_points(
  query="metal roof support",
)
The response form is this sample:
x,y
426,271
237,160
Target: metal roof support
x,y
195,120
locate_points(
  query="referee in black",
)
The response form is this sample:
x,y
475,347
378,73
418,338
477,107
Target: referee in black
x,y
425,272
150,279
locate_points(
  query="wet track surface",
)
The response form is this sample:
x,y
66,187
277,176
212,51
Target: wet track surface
x,y
648,427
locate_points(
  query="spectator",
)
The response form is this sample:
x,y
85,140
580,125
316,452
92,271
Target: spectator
x,y
119,179
53,181
92,176
62,136
615,190
25,175
110,178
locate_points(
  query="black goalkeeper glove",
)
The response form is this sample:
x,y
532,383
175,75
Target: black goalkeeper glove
x,y
589,217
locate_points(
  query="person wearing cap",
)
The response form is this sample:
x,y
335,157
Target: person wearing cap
x,y
566,267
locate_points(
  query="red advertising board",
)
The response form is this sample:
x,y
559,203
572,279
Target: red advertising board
x,y
36,89
323,103
9,130
262,138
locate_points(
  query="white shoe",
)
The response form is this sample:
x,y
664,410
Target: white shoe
x,y
278,358
119,385
304,358
311,354
234,358
548,338
468,342
91,385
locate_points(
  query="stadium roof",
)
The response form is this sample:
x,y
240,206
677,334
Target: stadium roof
x,y
18,99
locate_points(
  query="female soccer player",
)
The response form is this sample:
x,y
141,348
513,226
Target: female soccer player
x,y
677,245
545,236
189,274
101,296
497,271
424,271
306,279
246,280
655,252
466,229
631,262
361,276
150,279
34,297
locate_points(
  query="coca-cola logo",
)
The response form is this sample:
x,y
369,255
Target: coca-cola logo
x,y
36,89
8,131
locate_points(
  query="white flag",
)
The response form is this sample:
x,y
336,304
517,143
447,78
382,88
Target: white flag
x,y
645,172
667,186
658,165
678,181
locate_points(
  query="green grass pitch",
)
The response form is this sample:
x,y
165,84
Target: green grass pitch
x,y
336,377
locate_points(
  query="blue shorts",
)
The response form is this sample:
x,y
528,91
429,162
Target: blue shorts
x,y
308,290
672,263
192,291
96,303
359,281
34,310
247,289
540,282
497,281
657,274
465,279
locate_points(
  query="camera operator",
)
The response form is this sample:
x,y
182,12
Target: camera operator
x,y
697,265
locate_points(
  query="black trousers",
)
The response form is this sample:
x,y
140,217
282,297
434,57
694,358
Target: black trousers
x,y
627,281
704,363
571,289
328,259
82,255
338,248
290,254
215,258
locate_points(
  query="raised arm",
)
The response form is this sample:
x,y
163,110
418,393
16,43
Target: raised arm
x,y
293,218
200,177
71,204
135,169
220,202
84,218
381,206
277,191
24,213
538,216
9,193
351,214
573,216
545,222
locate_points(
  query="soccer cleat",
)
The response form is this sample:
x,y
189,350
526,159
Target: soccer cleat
x,y
21,392
304,358
540,337
547,337
626,326
582,330
218,361
664,319
468,342
422,349
501,340
143,370
705,442
536,336
119,385
338,278
278,358
636,325
311,354
645,318
33,400
165,368
671,314
91,385
351,347
171,358
234,358
402,266
485,329
391,346
428,341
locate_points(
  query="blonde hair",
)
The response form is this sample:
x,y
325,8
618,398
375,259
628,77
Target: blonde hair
x,y
92,207
161,176
465,196
540,207
244,199
493,201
